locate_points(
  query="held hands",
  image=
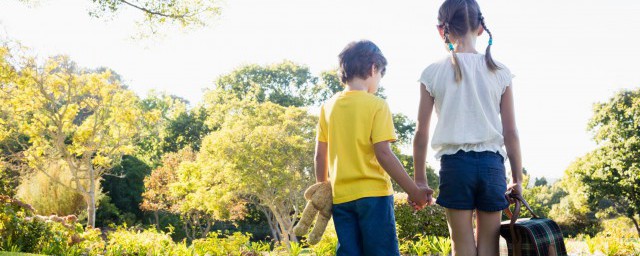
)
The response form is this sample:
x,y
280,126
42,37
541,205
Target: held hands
x,y
423,197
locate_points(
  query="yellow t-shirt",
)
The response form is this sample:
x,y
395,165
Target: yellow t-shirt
x,y
350,123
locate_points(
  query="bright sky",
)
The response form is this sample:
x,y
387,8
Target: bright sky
x,y
566,55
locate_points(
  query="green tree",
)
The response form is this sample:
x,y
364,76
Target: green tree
x,y
155,14
126,186
614,170
154,135
157,197
86,119
285,84
263,152
540,182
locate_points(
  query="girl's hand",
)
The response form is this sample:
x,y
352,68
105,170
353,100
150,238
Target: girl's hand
x,y
426,190
514,188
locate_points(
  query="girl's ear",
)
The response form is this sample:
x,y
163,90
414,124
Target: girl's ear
x,y
441,32
373,70
480,31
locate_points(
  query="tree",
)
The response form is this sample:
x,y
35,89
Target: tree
x,y
263,152
285,84
614,167
157,197
88,120
186,14
125,189
154,135
540,182
574,212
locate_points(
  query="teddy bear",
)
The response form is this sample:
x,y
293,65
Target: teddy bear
x,y
319,201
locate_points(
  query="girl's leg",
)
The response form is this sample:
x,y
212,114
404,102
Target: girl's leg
x,y
488,233
461,230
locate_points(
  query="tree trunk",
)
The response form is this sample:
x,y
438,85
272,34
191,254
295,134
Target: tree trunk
x,y
273,226
155,214
635,222
284,234
91,205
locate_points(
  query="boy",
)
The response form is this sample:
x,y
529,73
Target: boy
x,y
354,132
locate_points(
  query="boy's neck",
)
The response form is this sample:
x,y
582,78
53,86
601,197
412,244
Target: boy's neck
x,y
357,84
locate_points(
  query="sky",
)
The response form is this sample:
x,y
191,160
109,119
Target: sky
x,y
566,55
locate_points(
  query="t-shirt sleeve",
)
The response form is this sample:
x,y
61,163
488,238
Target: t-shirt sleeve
x,y
321,129
504,77
426,78
383,129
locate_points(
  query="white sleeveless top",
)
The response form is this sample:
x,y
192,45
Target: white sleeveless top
x,y
468,112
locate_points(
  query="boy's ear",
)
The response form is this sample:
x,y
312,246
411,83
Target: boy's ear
x,y
373,70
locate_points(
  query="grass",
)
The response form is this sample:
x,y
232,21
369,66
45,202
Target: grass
x,y
18,254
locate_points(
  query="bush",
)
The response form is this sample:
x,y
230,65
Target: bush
x,y
430,221
329,242
426,245
21,230
216,244
125,241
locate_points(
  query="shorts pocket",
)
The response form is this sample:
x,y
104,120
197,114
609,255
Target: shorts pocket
x,y
497,176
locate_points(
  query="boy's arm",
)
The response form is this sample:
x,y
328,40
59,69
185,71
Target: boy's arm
x,y
320,162
393,167
511,138
421,139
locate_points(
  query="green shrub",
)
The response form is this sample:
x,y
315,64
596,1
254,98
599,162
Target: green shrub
x,y
216,244
125,241
430,221
426,245
329,242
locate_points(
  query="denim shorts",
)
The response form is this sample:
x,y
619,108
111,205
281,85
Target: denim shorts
x,y
366,226
473,180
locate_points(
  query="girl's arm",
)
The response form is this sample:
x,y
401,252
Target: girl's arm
x,y
421,140
511,138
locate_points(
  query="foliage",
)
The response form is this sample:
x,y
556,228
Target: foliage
x,y
430,221
126,187
156,14
84,118
286,84
49,197
427,245
123,241
329,242
574,213
156,138
20,230
217,244
541,198
613,169
263,152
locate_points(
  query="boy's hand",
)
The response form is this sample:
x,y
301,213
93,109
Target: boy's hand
x,y
423,197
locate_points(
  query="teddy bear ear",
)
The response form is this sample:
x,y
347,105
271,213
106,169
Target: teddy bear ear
x,y
311,190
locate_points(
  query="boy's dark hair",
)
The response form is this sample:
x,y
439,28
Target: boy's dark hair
x,y
357,58
459,17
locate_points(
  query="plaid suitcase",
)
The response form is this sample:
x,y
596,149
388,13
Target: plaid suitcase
x,y
531,237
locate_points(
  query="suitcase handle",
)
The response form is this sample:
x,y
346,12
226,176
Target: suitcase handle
x,y
515,239
519,201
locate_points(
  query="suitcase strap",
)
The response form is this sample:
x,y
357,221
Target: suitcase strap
x,y
516,238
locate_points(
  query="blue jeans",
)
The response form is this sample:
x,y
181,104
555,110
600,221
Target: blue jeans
x,y
473,180
366,226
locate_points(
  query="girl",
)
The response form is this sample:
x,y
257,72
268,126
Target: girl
x,y
473,99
